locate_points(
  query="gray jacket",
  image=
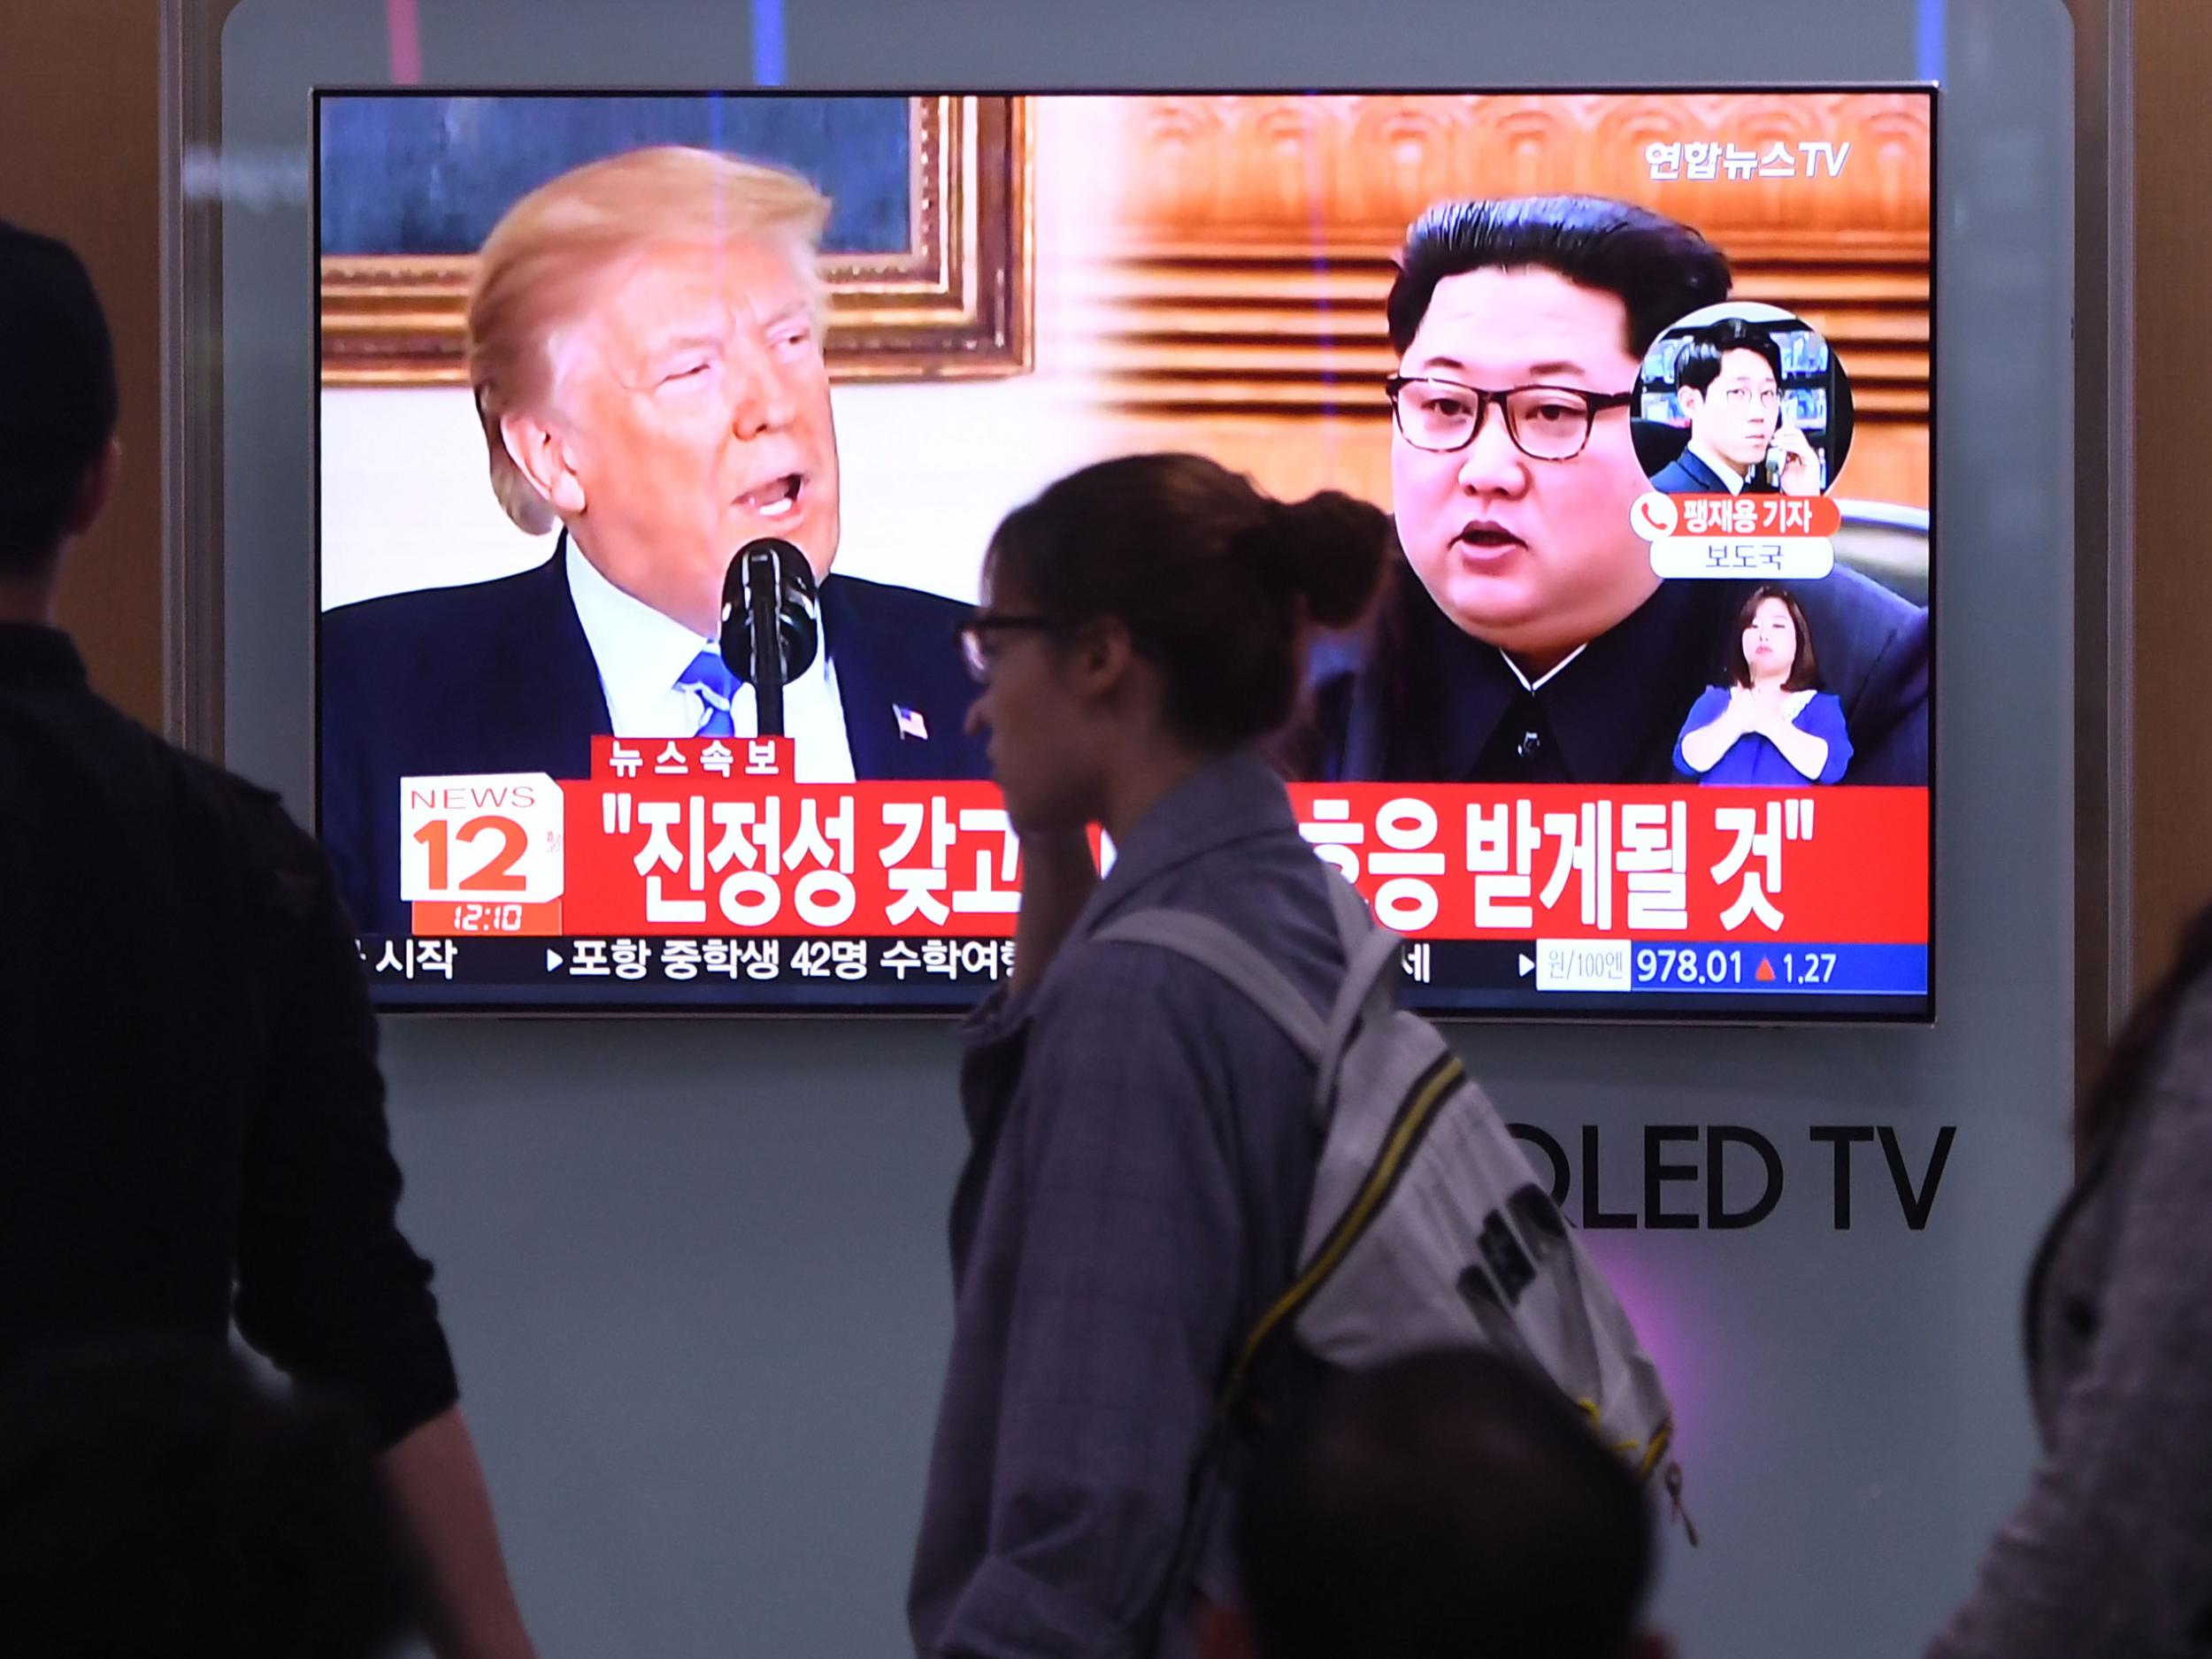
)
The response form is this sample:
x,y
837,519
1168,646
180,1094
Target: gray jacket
x,y
1144,1151
2111,1556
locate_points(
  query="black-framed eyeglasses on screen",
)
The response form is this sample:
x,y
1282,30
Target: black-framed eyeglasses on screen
x,y
1547,422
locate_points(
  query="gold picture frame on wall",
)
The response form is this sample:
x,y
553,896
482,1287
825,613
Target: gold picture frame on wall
x,y
954,302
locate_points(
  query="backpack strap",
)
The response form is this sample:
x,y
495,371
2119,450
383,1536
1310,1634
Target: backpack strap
x,y
1353,921
1207,942
1407,1129
1370,989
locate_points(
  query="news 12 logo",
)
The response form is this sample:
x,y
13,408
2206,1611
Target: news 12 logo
x,y
488,838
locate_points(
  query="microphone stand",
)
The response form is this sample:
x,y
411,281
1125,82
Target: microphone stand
x,y
766,638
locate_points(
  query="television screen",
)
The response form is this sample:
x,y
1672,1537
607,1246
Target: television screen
x,y
660,437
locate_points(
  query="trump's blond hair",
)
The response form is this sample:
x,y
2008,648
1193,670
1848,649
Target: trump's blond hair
x,y
540,267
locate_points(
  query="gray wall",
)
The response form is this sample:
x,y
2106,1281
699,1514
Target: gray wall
x,y
695,1272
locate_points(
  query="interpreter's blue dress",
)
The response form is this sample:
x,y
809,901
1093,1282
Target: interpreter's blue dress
x,y
1753,760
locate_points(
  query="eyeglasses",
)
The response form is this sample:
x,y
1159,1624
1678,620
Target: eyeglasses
x,y
1741,396
975,637
1547,422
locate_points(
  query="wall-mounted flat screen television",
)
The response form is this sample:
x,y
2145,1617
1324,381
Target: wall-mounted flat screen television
x,y
660,437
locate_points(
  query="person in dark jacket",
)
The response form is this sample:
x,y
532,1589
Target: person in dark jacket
x,y
191,1117
1143,1138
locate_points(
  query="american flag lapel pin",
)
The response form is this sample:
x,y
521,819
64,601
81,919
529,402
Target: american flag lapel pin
x,y
910,723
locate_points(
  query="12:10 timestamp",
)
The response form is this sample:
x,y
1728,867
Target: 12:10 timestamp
x,y
487,918
1688,964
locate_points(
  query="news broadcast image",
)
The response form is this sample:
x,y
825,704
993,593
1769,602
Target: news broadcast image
x,y
660,438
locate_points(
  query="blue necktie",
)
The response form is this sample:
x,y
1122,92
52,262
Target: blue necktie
x,y
710,676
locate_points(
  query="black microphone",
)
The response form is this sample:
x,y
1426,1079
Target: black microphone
x,y
771,623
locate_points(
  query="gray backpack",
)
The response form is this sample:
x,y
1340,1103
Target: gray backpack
x,y
1428,1226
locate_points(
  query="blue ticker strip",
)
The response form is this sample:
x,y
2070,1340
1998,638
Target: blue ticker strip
x,y
1732,968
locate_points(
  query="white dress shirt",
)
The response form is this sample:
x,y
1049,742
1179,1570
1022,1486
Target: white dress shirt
x,y
1726,473
1536,685
642,653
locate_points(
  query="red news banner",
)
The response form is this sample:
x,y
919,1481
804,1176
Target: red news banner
x,y
702,837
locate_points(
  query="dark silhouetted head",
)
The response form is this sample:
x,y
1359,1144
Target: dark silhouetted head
x,y
1450,1506
58,397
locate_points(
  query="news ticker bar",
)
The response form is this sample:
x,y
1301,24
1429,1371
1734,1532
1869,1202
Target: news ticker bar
x,y
955,970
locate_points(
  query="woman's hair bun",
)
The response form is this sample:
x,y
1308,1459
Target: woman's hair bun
x,y
1333,548
1214,578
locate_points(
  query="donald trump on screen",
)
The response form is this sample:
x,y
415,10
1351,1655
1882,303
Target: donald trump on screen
x,y
645,351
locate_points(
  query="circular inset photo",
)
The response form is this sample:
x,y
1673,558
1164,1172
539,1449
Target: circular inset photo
x,y
1742,398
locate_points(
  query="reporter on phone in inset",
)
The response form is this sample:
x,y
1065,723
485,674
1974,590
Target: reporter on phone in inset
x,y
1729,383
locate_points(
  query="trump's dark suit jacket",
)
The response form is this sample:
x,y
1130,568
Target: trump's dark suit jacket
x,y
498,676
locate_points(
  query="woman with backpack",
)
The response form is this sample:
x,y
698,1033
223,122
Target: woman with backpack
x,y
1143,1142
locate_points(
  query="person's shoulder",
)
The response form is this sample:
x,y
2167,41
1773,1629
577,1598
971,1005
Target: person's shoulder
x,y
2188,1038
431,617
1104,985
906,637
282,850
1854,594
1267,889
231,818
1101,980
390,664
880,605
1676,479
1100,991
184,776
1858,626
259,811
